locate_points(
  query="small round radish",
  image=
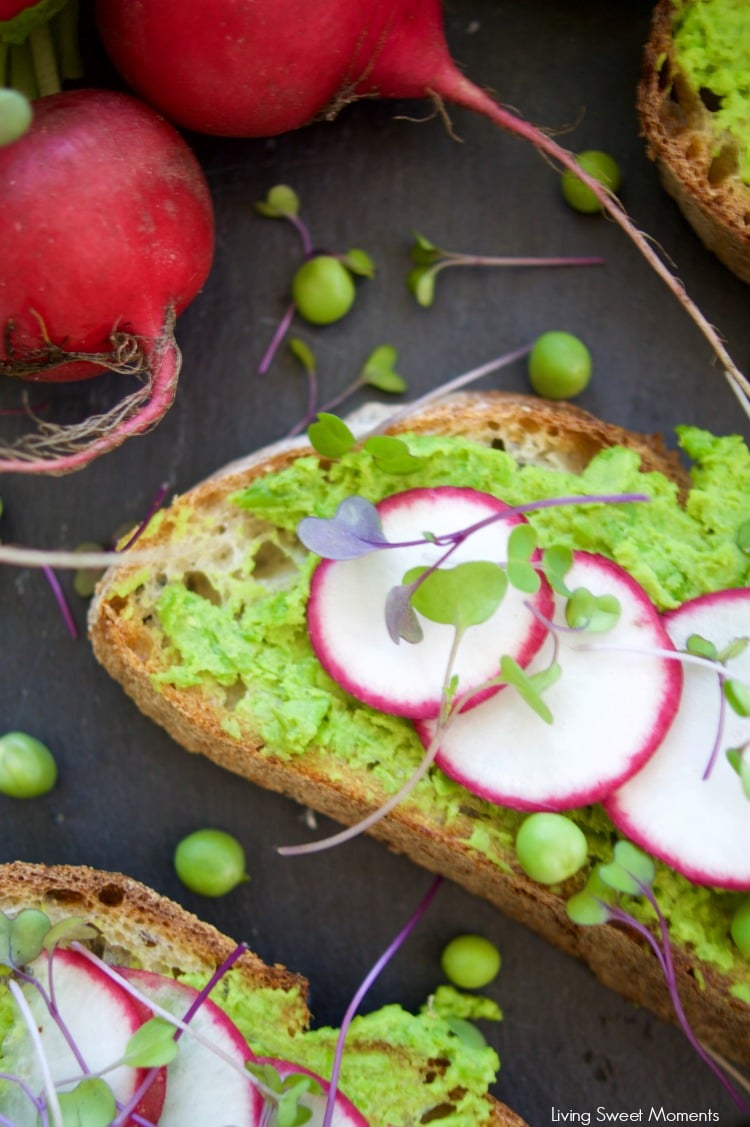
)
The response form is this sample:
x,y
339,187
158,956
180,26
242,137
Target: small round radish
x,y
345,1113
107,235
100,1018
197,1075
610,710
696,822
238,71
346,616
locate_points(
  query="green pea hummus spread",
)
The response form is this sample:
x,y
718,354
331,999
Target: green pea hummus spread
x,y
712,47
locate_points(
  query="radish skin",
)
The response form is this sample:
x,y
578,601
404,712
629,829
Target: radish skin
x,y
95,281
239,73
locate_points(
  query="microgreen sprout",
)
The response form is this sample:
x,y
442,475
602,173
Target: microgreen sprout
x,y
631,873
378,371
323,288
429,260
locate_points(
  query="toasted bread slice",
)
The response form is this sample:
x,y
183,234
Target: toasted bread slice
x,y
206,537
138,927
697,161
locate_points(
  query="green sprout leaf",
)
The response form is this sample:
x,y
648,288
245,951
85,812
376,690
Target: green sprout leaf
x,y
630,870
733,649
152,1045
530,686
392,454
90,1104
595,613
379,372
743,537
21,938
461,596
522,543
302,352
556,563
359,262
421,282
737,697
286,1093
699,646
330,436
68,930
423,251
589,906
280,203
523,576
739,761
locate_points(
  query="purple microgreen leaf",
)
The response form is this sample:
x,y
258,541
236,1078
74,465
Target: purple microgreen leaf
x,y
527,688
461,596
354,530
400,617
392,454
379,371
330,436
359,262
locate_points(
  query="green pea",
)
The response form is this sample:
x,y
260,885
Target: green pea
x,y
601,167
27,767
210,862
15,115
740,928
550,848
470,961
559,365
323,290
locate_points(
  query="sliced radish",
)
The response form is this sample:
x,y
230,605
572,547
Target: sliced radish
x,y
700,826
345,1114
610,709
346,615
203,1086
100,1018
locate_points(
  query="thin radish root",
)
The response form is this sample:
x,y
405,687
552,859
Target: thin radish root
x,y
55,449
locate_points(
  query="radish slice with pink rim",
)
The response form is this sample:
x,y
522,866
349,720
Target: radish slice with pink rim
x,y
198,1073
100,1017
699,826
346,618
610,710
345,1114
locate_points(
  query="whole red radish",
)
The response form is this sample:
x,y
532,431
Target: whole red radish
x,y
254,68
107,235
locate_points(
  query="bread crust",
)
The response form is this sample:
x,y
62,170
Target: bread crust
x,y
683,141
139,926
557,434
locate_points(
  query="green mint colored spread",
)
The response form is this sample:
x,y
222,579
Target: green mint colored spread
x,y
426,1064
249,636
712,46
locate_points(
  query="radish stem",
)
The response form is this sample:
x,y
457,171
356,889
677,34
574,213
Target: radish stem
x,y
45,64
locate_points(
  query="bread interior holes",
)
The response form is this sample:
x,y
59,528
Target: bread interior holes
x,y
724,164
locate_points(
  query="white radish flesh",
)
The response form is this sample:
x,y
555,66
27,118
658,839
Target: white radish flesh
x,y
346,616
345,1114
203,1087
610,709
100,1018
700,826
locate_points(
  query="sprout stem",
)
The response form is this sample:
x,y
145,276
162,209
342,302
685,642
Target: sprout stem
x,y
36,1040
60,599
276,339
367,982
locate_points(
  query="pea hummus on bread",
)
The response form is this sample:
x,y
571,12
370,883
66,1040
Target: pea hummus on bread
x,y
213,644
